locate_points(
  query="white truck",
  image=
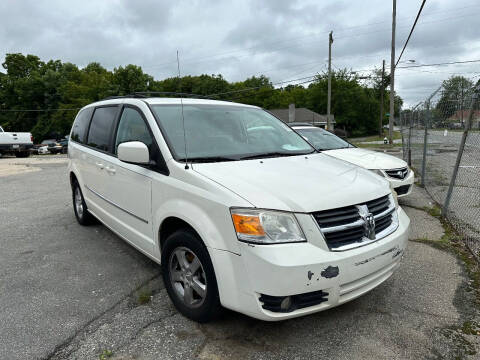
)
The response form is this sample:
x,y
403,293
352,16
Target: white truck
x,y
18,143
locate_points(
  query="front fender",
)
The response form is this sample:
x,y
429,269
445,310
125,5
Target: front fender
x,y
211,221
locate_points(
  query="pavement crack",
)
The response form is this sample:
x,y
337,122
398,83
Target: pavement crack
x,y
140,331
56,352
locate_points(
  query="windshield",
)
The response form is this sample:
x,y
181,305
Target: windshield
x,y
1,130
223,132
322,139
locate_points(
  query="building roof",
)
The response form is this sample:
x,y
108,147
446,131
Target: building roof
x,y
302,115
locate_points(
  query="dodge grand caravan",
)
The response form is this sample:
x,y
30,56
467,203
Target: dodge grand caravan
x,y
239,210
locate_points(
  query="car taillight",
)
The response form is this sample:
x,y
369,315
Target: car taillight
x,y
31,138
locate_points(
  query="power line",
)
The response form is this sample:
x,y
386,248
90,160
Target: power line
x,y
36,110
424,65
269,90
439,64
411,31
259,87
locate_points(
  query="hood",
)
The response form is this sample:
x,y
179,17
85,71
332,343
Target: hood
x,y
303,183
367,159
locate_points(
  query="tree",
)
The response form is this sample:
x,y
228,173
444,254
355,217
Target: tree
x,y
54,91
455,95
130,79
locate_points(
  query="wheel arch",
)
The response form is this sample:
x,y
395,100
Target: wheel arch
x,y
72,178
212,224
171,224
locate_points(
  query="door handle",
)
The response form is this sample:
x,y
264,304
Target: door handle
x,y
99,164
110,170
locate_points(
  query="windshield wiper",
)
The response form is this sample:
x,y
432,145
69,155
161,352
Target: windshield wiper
x,y
206,159
272,154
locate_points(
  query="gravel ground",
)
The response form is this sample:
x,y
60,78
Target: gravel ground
x,y
72,292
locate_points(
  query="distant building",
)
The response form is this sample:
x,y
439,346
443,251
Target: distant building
x,y
304,115
461,116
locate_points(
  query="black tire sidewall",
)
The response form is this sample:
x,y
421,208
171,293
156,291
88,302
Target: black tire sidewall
x,y
85,219
211,308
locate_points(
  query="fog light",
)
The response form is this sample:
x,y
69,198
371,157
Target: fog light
x,y
286,303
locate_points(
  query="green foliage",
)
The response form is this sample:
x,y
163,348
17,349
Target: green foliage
x,y
456,92
105,354
57,90
145,297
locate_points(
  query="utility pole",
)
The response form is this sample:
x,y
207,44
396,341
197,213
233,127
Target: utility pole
x,y
329,96
461,105
392,76
382,90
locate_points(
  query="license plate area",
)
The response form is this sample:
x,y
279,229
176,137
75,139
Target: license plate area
x,y
16,146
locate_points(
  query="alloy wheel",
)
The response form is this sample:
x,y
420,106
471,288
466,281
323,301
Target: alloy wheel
x,y
78,202
187,277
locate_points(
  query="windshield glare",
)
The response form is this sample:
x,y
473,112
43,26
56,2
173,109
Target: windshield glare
x,y
225,131
322,139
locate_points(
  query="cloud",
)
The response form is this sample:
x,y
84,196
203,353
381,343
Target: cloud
x,y
283,39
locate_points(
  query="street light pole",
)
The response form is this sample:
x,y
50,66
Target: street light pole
x,y
382,90
329,94
392,76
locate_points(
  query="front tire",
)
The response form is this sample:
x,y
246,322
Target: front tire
x,y
79,206
189,276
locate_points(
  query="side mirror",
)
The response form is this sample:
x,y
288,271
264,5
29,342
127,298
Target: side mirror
x,y
134,152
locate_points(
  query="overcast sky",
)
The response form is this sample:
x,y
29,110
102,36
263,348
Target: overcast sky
x,y
283,39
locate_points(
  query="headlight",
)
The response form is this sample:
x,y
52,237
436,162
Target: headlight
x,y
266,226
378,172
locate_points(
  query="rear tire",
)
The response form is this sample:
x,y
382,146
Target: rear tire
x,y
79,206
189,276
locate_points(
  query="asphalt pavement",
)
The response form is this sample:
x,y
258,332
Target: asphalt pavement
x,y
73,292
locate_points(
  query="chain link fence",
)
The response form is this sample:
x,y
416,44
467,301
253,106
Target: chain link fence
x,y
441,142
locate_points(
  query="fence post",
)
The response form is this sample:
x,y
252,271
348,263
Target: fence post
x,y
460,151
412,121
409,162
425,139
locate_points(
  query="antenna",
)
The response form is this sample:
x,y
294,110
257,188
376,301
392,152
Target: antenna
x,y
183,117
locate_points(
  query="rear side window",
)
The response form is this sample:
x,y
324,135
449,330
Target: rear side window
x,y
101,128
80,126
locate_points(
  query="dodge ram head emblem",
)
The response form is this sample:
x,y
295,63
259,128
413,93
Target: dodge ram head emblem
x,y
370,226
369,221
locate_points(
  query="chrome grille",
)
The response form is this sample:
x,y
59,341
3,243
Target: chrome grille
x,y
378,206
337,217
397,173
352,226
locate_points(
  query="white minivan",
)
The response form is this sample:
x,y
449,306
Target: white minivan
x,y
239,210
395,170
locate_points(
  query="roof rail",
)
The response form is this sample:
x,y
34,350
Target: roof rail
x,y
148,94
168,93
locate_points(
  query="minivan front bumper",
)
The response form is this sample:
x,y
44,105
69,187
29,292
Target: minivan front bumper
x,y
276,271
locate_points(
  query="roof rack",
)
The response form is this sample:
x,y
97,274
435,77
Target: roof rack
x,y
148,94
300,124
